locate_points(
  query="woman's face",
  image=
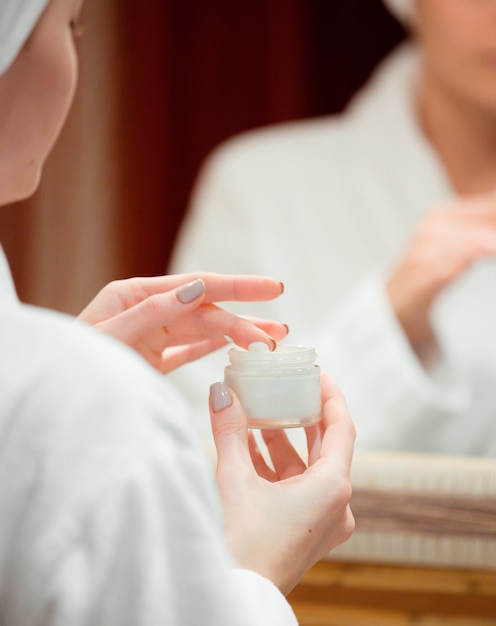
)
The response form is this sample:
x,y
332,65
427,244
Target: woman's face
x,y
36,92
458,39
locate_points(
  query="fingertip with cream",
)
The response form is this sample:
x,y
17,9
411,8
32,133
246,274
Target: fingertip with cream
x,y
261,346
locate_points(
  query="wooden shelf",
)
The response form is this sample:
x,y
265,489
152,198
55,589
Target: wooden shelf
x,y
373,594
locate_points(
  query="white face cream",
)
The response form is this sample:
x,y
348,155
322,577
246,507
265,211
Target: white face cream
x,y
279,389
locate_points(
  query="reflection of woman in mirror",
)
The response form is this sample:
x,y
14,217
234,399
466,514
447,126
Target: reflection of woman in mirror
x,y
382,223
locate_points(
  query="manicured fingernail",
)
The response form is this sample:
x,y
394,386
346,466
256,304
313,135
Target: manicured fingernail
x,y
287,328
220,396
191,291
282,288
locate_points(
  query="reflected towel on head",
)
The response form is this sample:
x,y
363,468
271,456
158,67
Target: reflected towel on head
x,y
402,10
17,20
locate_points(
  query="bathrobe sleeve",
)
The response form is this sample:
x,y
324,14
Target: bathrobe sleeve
x,y
109,508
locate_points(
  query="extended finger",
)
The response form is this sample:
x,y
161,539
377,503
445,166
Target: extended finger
x,y
202,323
338,429
242,288
211,321
258,460
276,330
286,461
314,442
219,287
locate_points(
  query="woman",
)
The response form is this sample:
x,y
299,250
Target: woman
x,y
384,218
109,514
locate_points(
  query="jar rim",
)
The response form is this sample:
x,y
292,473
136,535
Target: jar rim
x,y
284,353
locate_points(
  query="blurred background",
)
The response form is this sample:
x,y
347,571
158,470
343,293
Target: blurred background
x,y
161,84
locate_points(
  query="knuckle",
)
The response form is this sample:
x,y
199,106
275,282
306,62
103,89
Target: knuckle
x,y
153,305
342,492
346,491
348,526
445,272
112,287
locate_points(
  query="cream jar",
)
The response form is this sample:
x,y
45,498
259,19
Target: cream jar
x,y
279,389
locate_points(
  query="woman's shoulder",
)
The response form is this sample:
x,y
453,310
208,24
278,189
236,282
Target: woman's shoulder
x,y
310,137
272,141
92,441
54,366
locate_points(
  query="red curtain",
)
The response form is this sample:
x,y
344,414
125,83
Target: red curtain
x,y
199,72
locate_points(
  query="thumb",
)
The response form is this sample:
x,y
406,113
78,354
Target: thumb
x,y
229,427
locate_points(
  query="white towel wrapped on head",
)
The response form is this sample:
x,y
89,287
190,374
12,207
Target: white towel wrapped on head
x,y
17,20
403,10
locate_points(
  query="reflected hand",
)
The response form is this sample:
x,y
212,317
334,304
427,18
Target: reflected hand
x,y
279,522
171,320
449,240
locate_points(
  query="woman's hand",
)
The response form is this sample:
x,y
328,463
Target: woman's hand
x,y
171,320
447,243
280,521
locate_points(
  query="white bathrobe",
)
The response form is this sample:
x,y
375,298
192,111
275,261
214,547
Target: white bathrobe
x,y
108,510
327,205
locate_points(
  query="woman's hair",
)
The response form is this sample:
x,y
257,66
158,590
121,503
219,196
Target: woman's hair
x,y
17,20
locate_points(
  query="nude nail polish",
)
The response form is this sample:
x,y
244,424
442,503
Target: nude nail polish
x,y
220,396
191,291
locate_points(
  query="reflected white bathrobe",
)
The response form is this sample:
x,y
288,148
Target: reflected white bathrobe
x,y
108,510
327,206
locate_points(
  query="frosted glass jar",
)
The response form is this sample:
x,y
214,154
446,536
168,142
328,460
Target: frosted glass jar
x,y
279,389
